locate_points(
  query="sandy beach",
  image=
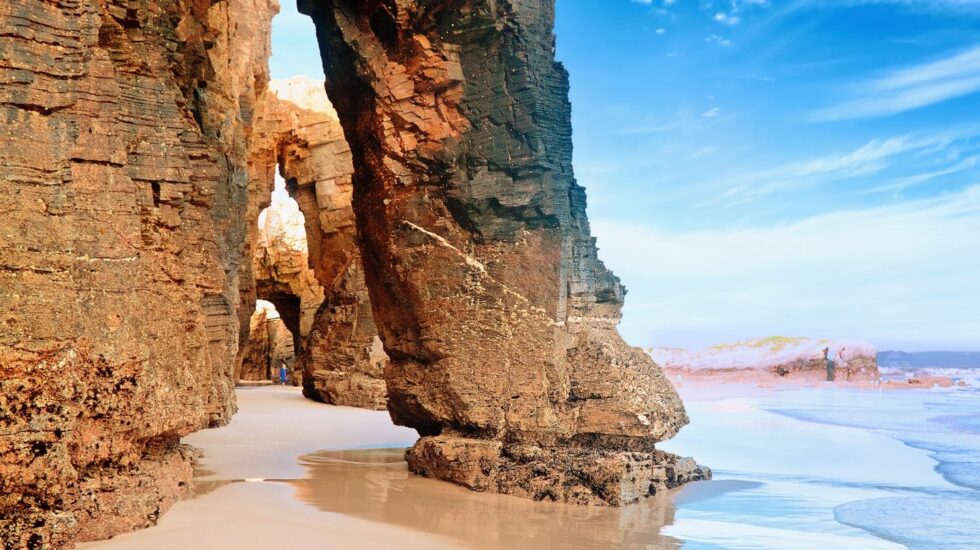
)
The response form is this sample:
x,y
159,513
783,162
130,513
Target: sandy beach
x,y
290,471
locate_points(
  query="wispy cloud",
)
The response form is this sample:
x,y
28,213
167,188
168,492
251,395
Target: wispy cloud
x,y
909,88
870,158
711,113
969,6
902,274
899,185
729,19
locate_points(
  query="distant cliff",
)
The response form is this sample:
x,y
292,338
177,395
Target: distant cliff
x,y
772,360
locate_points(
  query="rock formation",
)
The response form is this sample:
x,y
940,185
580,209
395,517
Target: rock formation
x,y
498,317
772,360
269,343
123,188
283,280
296,127
132,143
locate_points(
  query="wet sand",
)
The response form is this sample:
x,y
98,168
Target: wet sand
x,y
777,483
278,474
245,499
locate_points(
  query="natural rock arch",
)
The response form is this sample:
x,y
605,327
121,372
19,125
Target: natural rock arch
x,y
270,343
124,272
296,131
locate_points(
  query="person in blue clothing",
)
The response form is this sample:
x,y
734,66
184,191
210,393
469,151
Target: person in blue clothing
x,y
283,372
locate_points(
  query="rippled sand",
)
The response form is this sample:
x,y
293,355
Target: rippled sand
x,y
280,474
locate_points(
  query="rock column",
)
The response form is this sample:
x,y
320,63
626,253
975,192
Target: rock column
x,y
498,317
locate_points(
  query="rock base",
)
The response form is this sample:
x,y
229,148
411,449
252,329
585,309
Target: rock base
x,y
109,501
573,475
346,389
123,500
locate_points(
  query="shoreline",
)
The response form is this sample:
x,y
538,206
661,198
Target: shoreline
x,y
322,476
733,378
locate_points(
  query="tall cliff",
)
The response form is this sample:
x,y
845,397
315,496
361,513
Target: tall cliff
x,y
498,317
123,187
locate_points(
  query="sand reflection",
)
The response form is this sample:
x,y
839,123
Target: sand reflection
x,y
375,485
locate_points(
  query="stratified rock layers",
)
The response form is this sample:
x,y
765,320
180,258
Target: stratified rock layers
x,y
498,316
122,191
295,126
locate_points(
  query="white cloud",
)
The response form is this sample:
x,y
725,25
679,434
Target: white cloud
x,y
901,184
720,40
661,31
910,88
919,5
727,19
902,276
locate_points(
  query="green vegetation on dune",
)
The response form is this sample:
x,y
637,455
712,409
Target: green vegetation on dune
x,y
774,343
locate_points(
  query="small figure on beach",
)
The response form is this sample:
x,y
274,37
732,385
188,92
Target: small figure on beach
x,y
283,372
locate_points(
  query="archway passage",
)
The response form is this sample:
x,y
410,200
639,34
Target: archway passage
x,y
289,308
281,277
298,141
270,344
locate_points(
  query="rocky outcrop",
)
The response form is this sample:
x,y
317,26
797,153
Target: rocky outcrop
x,y
297,129
122,185
498,317
772,360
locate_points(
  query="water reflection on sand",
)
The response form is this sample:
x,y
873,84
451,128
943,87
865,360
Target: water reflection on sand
x,y
375,485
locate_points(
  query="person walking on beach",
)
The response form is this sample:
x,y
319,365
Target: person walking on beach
x,y
283,372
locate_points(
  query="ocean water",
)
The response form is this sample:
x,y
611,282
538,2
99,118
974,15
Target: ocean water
x,y
835,468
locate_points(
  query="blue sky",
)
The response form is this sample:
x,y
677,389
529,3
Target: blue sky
x,y
758,167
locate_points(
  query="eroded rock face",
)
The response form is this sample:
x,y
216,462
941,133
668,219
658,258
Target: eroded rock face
x,y
499,319
341,361
122,185
773,360
126,237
